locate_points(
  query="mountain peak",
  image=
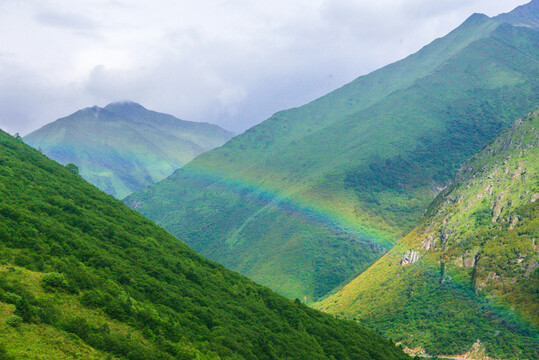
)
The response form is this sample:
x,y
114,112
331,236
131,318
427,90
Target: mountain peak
x,y
89,111
125,105
475,18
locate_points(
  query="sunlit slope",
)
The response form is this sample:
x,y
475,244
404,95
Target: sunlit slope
x,y
83,276
313,195
124,147
469,269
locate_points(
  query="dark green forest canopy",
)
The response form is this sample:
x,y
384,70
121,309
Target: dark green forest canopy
x,y
89,250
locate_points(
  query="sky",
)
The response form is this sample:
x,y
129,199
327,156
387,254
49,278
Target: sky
x,y
229,62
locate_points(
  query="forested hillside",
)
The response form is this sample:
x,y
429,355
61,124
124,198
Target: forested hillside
x,y
83,276
469,270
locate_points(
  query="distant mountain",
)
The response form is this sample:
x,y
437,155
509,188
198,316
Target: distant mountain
x,y
468,273
314,195
84,277
125,147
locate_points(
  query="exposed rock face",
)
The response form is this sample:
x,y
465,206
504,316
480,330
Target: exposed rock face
x,y
497,207
514,222
467,261
428,243
409,257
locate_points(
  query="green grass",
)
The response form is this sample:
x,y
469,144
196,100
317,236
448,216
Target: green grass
x,y
480,281
314,195
124,147
83,276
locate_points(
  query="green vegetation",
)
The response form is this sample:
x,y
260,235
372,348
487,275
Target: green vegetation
x,y
525,15
83,276
477,275
124,147
314,195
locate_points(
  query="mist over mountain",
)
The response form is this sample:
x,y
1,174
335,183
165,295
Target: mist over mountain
x,y
125,147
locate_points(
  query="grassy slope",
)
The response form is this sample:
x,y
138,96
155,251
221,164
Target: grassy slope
x,y
524,15
124,147
312,196
82,275
479,278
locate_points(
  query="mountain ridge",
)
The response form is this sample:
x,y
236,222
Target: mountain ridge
x,y
524,15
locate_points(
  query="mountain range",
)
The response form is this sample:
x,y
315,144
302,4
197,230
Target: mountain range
x,y
468,272
125,147
311,197
406,201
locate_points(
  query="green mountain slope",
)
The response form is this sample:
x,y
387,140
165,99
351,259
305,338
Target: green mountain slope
x,y
124,147
470,269
524,15
314,195
83,276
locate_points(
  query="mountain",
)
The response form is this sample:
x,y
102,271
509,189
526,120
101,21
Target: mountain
x,y
125,147
468,272
314,195
83,276
524,15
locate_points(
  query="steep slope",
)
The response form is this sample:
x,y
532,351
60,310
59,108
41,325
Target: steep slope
x,y
470,269
525,15
314,195
124,147
83,276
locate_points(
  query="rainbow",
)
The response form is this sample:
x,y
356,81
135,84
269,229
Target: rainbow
x,y
294,205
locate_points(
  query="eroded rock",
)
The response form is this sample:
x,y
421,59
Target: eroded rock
x,y
409,257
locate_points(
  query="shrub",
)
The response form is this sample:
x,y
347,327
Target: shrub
x,y
14,321
53,280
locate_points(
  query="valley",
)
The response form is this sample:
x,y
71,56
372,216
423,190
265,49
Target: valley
x,y
395,217
314,195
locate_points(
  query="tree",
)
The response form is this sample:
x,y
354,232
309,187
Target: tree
x,y
73,168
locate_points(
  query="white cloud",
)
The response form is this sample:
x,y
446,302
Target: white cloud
x,y
231,62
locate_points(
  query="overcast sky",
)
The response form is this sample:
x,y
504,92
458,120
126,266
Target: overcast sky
x,y
229,62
